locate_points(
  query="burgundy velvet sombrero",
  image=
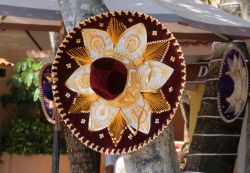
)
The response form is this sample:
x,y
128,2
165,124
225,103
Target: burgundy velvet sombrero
x,y
117,80
45,91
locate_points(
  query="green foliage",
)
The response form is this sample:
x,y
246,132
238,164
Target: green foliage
x,y
29,133
28,137
24,85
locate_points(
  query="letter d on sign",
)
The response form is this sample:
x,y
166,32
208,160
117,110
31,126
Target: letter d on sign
x,y
203,70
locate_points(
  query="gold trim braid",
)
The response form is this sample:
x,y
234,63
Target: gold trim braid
x,y
115,29
156,50
157,101
116,128
82,103
80,55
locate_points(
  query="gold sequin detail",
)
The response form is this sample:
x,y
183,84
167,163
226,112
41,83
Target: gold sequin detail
x,y
154,33
68,65
170,89
67,95
130,20
101,24
78,40
172,58
101,136
83,121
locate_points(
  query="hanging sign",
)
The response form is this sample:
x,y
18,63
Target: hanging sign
x,y
197,72
232,85
118,79
45,89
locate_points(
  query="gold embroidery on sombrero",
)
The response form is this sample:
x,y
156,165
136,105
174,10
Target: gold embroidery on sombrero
x,y
80,55
156,50
154,74
238,74
157,101
79,81
116,128
82,103
146,75
115,29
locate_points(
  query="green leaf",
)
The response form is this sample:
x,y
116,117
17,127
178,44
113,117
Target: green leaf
x,y
28,78
36,95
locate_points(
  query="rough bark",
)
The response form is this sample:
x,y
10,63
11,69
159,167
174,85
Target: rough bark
x,y
82,159
247,159
245,8
75,11
158,157
231,6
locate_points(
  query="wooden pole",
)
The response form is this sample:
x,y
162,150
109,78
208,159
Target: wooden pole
x,y
56,142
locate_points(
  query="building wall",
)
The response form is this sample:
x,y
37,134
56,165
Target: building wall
x,y
12,56
32,164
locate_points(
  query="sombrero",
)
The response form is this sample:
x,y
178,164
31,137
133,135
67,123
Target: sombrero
x,y
45,92
117,80
232,85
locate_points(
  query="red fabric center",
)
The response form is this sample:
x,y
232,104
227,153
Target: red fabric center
x,y
108,77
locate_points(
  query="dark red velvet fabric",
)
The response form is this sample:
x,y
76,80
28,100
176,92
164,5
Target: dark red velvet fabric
x,y
108,77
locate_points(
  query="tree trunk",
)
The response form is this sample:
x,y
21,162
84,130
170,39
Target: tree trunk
x,y
158,157
75,11
247,159
82,159
231,6
245,8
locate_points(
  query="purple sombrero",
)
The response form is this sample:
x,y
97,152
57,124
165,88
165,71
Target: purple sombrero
x,y
45,91
118,79
232,85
